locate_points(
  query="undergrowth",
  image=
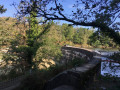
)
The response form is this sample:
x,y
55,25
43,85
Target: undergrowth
x,y
37,80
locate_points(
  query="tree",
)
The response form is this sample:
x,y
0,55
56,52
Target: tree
x,y
82,35
2,10
96,13
49,43
34,28
68,32
8,31
100,39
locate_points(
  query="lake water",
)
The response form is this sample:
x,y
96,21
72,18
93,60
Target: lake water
x,y
110,68
106,53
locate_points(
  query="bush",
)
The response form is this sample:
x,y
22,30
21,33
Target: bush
x,y
76,62
24,52
55,69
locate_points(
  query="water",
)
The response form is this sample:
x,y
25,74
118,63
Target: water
x,y
111,70
105,53
110,67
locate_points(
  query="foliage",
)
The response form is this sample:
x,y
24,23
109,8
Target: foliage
x,y
2,10
67,31
14,62
49,48
102,14
10,57
98,39
46,43
76,62
6,31
34,29
25,52
46,39
82,35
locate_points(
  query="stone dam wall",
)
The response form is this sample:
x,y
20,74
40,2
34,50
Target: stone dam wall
x,y
77,77
70,53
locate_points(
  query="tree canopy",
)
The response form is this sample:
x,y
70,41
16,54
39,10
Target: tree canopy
x,y
2,9
102,14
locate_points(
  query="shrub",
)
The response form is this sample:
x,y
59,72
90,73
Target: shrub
x,y
55,69
76,62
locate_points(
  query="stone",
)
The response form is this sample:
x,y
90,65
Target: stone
x,y
65,87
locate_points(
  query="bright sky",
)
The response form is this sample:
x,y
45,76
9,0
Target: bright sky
x,y
11,10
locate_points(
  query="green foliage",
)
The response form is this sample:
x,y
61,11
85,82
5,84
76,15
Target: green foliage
x,y
93,13
76,62
33,31
34,28
9,32
26,52
98,39
67,31
10,57
18,55
82,35
50,48
2,10
56,69
25,49
43,41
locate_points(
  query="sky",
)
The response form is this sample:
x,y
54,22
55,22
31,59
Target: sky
x,y
11,10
